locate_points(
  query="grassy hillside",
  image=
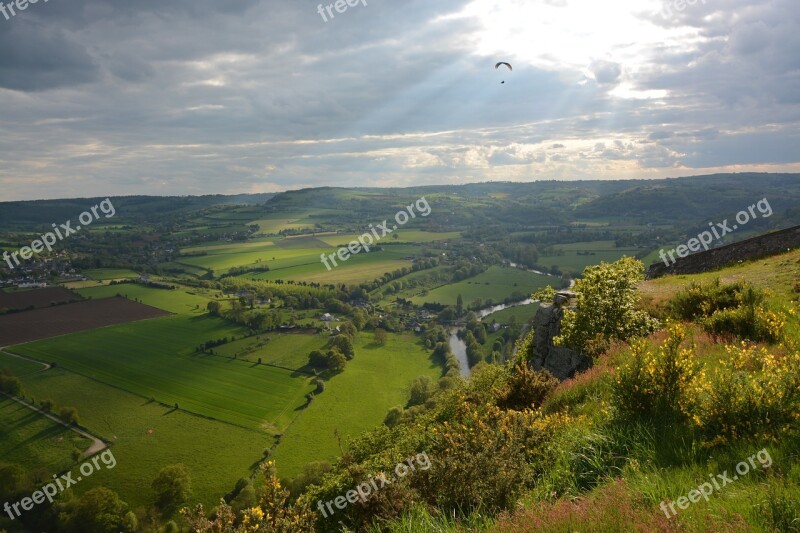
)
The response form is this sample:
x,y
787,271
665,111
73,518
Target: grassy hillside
x,y
145,437
684,429
355,401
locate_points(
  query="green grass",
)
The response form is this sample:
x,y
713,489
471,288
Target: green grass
x,y
177,301
777,274
288,350
20,367
33,441
147,436
599,251
110,273
495,284
403,236
522,313
354,401
358,268
155,358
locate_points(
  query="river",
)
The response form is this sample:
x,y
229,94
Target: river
x,y
459,347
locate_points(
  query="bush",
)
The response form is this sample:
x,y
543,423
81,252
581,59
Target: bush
x,y
697,300
752,393
606,308
69,415
728,311
526,388
656,383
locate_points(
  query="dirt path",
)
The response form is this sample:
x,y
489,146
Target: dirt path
x,y
97,444
45,365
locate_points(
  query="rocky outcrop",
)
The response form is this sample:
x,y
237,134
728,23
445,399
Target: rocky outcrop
x,y
562,362
747,250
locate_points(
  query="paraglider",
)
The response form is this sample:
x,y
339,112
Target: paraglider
x,y
497,66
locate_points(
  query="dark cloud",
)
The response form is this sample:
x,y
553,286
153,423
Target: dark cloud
x,y
200,96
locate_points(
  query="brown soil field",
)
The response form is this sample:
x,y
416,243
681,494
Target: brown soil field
x,y
29,326
37,298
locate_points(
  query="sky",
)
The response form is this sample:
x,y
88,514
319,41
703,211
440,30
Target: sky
x,y
189,97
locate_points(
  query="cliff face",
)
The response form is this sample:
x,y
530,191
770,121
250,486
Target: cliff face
x,y
755,248
562,362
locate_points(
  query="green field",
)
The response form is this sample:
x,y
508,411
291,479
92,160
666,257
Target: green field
x,y
496,284
34,441
20,367
177,301
146,437
287,350
522,313
155,358
358,268
354,401
298,258
405,236
110,273
577,256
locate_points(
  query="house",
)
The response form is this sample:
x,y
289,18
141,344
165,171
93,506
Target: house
x,y
32,285
327,317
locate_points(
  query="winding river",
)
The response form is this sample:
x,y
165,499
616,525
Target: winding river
x,y
459,347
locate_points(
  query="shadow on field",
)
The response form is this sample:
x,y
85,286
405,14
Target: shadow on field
x,y
47,433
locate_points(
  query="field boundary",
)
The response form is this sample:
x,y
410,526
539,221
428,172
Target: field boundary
x,y
148,398
98,444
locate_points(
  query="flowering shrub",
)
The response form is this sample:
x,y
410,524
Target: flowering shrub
x,y
655,383
606,308
733,310
751,393
274,513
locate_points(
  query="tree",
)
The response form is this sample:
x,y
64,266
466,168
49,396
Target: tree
x,y
381,336
99,511
393,417
172,488
344,345
317,359
69,415
422,389
606,308
214,308
459,305
336,361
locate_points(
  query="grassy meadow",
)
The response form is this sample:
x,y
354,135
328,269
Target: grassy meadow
x,y
145,437
496,284
156,358
354,401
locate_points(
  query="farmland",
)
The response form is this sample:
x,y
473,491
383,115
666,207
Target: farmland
x,y
495,284
215,373
64,319
145,436
356,400
168,370
27,437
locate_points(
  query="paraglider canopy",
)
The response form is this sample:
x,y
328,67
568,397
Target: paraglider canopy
x,y
497,66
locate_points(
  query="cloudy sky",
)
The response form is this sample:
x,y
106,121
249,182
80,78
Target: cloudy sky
x,y
102,97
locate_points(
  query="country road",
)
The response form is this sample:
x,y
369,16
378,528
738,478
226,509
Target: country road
x,y
97,444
